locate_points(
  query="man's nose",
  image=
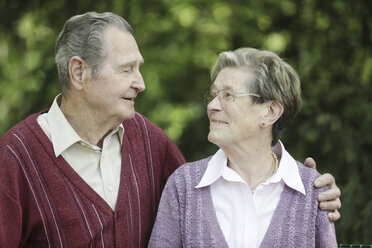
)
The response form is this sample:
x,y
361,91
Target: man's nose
x,y
138,82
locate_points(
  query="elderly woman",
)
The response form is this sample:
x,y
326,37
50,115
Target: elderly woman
x,y
246,195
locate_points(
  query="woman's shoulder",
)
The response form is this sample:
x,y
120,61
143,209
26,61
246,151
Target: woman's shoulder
x,y
195,167
191,172
308,176
306,172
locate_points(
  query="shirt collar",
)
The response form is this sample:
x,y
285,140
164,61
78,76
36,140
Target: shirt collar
x,y
288,170
61,132
215,169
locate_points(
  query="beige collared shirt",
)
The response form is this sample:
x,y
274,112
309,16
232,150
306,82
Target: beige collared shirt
x,y
100,168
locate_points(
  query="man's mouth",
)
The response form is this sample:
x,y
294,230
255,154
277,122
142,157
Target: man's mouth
x,y
128,98
218,121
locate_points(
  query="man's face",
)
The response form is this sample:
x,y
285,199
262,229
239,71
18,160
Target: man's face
x,y
111,94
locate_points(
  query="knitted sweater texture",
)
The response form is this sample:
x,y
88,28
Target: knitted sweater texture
x,y
186,216
45,203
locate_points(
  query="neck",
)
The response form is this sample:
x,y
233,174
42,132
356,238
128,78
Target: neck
x,y
86,123
251,161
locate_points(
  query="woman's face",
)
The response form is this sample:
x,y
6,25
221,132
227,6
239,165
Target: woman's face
x,y
233,120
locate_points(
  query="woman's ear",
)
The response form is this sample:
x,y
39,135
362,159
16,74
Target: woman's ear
x,y
76,67
274,111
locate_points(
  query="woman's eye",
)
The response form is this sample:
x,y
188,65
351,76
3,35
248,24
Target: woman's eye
x,y
227,94
212,94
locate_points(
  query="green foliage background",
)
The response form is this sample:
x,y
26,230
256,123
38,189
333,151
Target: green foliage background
x,y
327,42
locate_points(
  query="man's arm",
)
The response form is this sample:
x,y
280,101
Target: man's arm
x,y
330,199
10,221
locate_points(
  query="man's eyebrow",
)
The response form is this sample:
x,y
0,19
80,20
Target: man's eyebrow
x,y
132,63
129,64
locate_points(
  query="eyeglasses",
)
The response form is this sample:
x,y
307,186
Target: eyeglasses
x,y
225,95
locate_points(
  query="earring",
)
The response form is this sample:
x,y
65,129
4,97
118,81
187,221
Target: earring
x,y
262,124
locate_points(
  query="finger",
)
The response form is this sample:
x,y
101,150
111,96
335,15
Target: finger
x,y
330,205
334,216
325,179
329,195
310,162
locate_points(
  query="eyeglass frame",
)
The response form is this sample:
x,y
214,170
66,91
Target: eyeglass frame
x,y
211,95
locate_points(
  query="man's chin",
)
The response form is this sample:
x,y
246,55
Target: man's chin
x,y
129,115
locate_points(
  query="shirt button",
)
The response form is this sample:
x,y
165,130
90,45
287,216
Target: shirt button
x,y
109,188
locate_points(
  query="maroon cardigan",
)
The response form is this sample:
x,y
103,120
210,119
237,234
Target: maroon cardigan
x,y
45,203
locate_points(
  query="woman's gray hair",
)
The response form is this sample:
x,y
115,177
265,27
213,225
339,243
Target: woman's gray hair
x,y
275,80
83,36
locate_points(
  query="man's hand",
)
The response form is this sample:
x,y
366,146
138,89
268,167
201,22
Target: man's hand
x,y
330,199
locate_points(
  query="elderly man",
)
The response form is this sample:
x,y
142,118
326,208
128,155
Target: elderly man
x,y
89,171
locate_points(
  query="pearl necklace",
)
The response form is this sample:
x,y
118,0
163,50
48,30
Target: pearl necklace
x,y
275,164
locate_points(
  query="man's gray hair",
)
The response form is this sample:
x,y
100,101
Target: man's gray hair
x,y
83,36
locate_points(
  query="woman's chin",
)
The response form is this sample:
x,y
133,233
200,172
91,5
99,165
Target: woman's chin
x,y
214,138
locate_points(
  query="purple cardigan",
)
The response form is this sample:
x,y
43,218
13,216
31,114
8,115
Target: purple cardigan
x,y
186,216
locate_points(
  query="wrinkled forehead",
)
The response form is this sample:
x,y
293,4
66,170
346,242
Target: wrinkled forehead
x,y
236,78
121,46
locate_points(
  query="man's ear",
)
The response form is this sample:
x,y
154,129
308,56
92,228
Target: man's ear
x,y
274,111
76,67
